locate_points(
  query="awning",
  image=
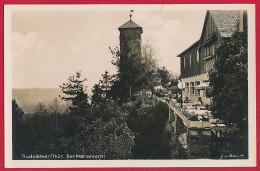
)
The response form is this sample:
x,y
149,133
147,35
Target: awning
x,y
203,86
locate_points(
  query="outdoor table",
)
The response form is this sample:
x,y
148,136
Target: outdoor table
x,y
202,112
203,108
191,111
190,107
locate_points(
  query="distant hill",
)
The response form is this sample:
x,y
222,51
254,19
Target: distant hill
x,y
27,99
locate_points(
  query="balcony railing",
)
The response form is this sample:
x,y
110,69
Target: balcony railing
x,y
209,57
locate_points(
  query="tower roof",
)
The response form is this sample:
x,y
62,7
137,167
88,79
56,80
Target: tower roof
x,y
129,24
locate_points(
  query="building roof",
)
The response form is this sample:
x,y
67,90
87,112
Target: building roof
x,y
191,46
129,24
226,21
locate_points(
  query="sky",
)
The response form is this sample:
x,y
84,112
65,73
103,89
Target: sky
x,y
50,45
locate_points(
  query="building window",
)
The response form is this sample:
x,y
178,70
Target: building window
x,y
184,62
192,88
190,59
213,49
187,88
198,56
207,50
197,90
210,50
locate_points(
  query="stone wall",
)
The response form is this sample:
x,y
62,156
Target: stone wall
x,y
199,143
189,143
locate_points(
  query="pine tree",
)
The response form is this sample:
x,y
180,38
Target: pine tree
x,y
106,83
76,94
17,114
97,94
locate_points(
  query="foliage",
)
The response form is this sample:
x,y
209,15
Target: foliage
x,y
235,143
109,133
106,134
55,106
164,76
134,72
106,82
102,90
76,94
97,94
40,109
230,93
150,77
52,130
230,81
147,118
17,114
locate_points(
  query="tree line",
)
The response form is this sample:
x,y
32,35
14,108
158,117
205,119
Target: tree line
x,y
131,131
111,122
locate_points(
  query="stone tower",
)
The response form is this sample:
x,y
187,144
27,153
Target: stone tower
x,y
130,38
130,50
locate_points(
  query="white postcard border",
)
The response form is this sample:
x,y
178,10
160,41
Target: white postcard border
x,y
9,163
